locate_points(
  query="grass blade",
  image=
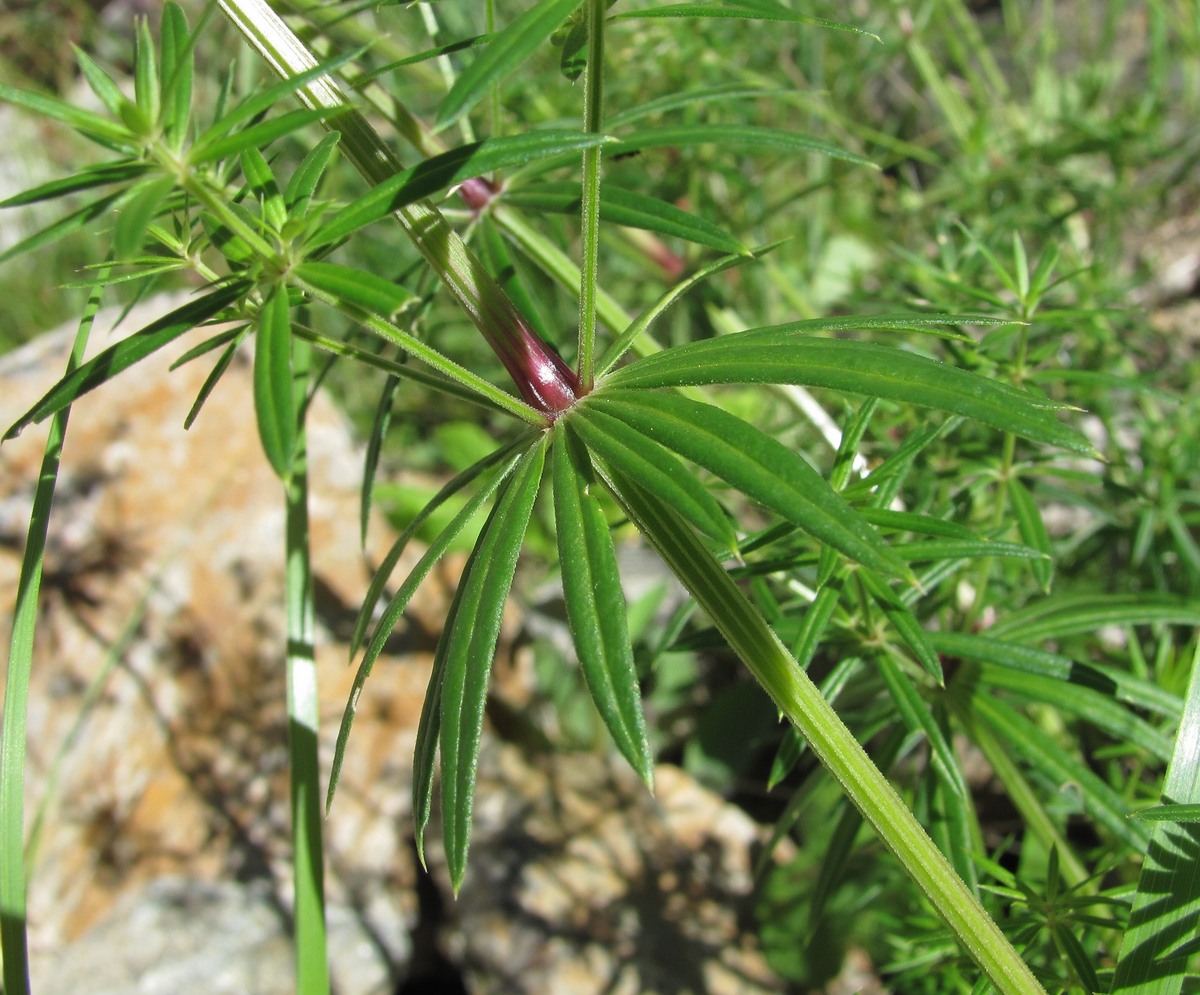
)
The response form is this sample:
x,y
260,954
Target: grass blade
x,y
596,606
13,944
467,646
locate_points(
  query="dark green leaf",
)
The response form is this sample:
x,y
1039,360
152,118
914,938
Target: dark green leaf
x,y
263,187
905,623
467,646
1054,618
274,403
507,50
757,465
125,353
372,293
97,176
596,606
1108,681
447,169
783,355
624,207
213,377
644,461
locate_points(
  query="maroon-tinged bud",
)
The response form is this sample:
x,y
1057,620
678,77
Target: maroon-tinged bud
x,y
477,193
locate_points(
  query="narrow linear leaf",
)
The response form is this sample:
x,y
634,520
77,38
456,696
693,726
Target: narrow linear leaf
x,y
467,646
118,172
1168,813
256,136
147,93
963,549
918,718
639,325
261,182
443,171
379,427
274,402
372,293
507,50
1108,681
759,466
905,623
641,459
1101,710
448,490
596,606
624,207
1055,618
780,355
213,378
731,136
758,11
83,121
1032,529
125,353
177,74
307,177
100,82
395,609
1046,755
63,226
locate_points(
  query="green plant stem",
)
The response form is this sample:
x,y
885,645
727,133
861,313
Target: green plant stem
x,y
308,863
593,119
13,883
801,701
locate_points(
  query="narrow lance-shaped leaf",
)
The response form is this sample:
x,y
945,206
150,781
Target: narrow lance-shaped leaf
x,y
783,355
642,459
467,646
443,171
177,73
917,716
732,136
274,403
907,624
760,10
507,50
125,353
759,466
596,605
625,207
395,609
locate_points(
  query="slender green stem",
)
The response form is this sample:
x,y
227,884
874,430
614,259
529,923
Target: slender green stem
x,y
308,862
801,701
593,119
13,882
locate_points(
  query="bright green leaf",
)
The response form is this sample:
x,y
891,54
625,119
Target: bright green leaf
x,y
274,403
